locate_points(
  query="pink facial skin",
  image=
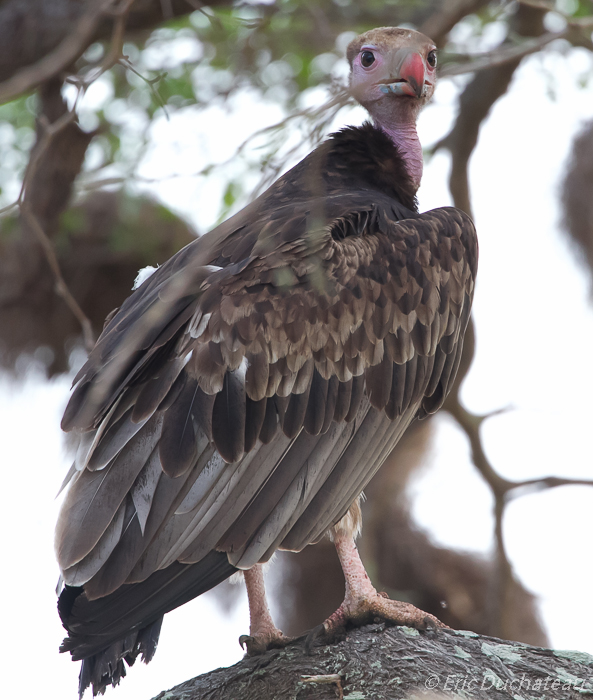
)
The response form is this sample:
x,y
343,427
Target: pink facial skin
x,y
394,86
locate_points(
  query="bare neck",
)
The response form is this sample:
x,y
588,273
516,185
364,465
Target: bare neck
x,y
405,137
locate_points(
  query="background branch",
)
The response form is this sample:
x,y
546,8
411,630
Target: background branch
x,y
61,58
61,286
499,57
43,197
446,15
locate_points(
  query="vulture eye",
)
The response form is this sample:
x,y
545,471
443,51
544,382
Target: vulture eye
x,y
432,59
367,58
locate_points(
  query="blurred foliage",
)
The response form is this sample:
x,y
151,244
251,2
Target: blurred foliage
x,y
100,244
123,225
283,52
17,134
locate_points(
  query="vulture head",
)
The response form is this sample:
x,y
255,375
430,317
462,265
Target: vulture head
x,y
393,75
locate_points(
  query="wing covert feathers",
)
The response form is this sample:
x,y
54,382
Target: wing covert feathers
x,y
382,332
245,394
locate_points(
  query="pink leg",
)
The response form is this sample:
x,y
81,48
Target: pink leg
x,y
263,633
362,603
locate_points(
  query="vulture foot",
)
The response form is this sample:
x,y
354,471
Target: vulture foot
x,y
362,603
263,641
372,607
263,633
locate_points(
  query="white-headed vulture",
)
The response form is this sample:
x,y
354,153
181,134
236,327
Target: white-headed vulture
x,y
243,396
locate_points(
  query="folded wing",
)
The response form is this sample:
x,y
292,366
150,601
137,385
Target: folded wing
x,y
242,407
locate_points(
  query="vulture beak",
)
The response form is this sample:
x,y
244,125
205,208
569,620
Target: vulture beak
x,y
408,68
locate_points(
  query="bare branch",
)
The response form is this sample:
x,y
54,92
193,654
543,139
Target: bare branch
x,y
471,425
151,82
71,48
477,99
520,488
448,14
501,56
341,99
61,287
49,131
475,103
585,22
503,490
316,120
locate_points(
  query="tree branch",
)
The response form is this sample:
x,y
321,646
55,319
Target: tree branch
x,y
503,490
585,22
501,56
71,48
61,286
392,663
57,156
438,25
32,30
475,103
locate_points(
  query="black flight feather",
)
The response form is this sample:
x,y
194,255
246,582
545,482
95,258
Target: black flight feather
x,y
228,418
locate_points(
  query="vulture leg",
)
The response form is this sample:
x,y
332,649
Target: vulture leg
x,y
362,603
263,633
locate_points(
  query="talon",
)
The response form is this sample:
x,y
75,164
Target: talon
x,y
313,635
244,640
256,644
429,623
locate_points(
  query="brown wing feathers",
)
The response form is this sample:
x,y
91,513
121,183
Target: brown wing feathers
x,y
243,409
183,431
184,428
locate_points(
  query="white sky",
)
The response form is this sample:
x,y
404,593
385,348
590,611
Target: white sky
x,y
534,334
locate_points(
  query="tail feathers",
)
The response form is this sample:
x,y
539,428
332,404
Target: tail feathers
x,y
108,668
125,624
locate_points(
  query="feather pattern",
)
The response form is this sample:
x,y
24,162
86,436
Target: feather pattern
x,y
86,568
244,395
143,489
94,497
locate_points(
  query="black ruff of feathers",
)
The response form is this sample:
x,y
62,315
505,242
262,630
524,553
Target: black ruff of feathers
x,y
241,399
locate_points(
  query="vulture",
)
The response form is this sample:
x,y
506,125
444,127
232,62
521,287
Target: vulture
x,y
243,396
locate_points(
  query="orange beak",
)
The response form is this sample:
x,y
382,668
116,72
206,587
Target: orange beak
x,y
412,71
408,67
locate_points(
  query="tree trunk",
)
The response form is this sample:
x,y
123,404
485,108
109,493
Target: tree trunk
x,y
387,663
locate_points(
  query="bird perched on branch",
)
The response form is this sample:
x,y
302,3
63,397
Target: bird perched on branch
x,y
243,396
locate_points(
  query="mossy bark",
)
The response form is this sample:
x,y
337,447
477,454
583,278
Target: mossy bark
x,y
391,663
